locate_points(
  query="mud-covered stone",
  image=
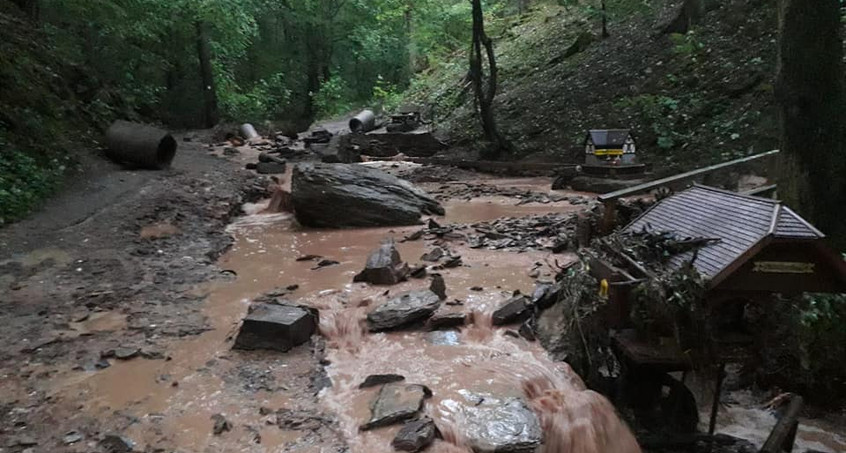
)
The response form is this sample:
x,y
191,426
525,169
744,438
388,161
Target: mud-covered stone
x,y
276,327
380,379
513,310
438,286
404,309
507,426
446,320
339,195
395,403
415,435
384,266
433,255
270,168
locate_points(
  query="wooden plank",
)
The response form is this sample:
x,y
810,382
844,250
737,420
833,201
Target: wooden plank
x,y
681,177
784,433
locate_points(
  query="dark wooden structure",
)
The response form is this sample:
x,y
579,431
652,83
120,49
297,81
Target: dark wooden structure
x,y
757,247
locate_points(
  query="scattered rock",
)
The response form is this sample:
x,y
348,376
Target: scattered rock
x,y
446,320
513,310
402,310
432,224
276,327
476,288
545,295
384,266
511,333
453,261
221,424
324,263
395,403
502,427
115,443
438,286
126,353
527,331
299,420
433,255
415,435
229,151
339,195
455,302
380,379
308,258
418,272
72,437
415,236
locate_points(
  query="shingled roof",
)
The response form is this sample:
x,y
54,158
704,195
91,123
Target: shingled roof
x,y
740,222
608,137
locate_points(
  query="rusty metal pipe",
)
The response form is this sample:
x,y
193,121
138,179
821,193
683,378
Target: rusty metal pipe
x,y
248,131
140,145
363,122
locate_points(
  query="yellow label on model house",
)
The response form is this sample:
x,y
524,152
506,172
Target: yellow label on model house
x,y
783,267
608,152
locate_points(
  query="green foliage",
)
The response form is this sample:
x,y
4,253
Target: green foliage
x,y
822,341
687,44
24,181
659,111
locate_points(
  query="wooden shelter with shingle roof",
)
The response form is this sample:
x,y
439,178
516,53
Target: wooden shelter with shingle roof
x,y
759,244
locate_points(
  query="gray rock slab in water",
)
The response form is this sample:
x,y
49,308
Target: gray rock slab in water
x,y
380,379
270,168
404,309
277,327
395,403
349,195
442,320
513,310
415,435
384,266
507,426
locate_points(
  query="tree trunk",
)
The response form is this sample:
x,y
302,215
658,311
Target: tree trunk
x,y
210,112
485,94
810,94
604,21
30,7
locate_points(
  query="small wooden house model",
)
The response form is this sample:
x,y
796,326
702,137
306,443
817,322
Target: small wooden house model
x,y
610,147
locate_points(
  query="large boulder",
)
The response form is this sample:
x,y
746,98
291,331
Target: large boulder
x,y
395,403
404,309
340,195
384,266
277,327
507,426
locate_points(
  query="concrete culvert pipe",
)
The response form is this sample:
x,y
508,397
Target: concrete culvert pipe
x,y
363,122
140,145
248,131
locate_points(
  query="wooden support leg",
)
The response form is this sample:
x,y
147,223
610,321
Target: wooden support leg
x,y
715,405
609,218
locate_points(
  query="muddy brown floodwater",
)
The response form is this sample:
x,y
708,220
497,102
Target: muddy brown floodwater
x,y
171,401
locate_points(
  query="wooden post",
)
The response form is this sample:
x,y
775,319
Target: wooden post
x,y
609,217
715,406
783,435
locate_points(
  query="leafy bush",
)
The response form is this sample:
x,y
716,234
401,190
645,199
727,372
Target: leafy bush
x,y
24,181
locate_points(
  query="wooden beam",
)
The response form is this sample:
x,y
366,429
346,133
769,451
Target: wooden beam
x,y
783,435
681,177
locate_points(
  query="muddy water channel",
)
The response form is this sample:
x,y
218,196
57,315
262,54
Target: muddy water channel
x,y
275,402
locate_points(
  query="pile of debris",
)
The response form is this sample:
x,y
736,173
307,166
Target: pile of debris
x,y
470,190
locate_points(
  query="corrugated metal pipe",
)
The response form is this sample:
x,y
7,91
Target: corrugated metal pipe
x,y
248,131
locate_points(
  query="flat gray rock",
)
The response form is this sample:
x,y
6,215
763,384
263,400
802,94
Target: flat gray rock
x,y
351,195
396,402
513,310
276,327
404,309
506,426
